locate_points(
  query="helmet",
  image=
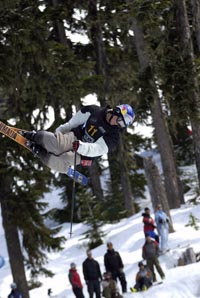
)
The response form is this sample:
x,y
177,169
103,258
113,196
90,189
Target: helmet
x,y
127,114
13,285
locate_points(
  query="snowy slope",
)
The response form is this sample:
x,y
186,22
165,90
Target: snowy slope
x,y
127,237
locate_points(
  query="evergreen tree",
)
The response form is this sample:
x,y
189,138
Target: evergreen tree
x,y
36,72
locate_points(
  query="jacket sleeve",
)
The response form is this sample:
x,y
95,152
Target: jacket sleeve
x,y
121,265
93,149
78,119
99,271
149,274
143,253
85,271
137,277
106,264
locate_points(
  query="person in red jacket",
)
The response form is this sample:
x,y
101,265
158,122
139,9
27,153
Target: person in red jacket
x,y
75,281
149,224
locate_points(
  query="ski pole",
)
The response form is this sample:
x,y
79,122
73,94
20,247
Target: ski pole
x,y
73,196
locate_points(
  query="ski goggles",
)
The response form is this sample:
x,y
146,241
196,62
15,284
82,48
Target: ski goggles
x,y
120,122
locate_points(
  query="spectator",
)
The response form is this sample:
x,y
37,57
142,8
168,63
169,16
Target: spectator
x,y
109,286
162,222
143,278
113,263
15,293
75,281
92,275
150,254
149,224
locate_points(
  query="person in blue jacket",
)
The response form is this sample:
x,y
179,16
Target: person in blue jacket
x,y
15,293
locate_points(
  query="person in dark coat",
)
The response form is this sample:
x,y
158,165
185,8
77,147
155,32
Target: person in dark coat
x,y
92,275
149,224
75,281
113,263
150,252
143,278
15,293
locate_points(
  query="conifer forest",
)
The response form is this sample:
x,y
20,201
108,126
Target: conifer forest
x,y
53,54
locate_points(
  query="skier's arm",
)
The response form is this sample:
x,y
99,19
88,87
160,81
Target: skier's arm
x,y
106,264
78,119
143,253
93,149
85,272
99,271
121,265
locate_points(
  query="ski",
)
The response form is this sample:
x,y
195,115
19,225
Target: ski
x,y
14,134
157,283
78,177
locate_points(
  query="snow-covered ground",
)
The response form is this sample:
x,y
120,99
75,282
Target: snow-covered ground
x,y
127,237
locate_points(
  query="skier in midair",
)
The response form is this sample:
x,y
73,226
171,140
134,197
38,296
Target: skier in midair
x,y
91,132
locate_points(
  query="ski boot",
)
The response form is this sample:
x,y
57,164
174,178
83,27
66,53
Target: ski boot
x,y
144,288
29,135
36,149
133,290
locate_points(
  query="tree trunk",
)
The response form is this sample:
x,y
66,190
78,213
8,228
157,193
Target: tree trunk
x,y
95,180
196,21
101,69
59,26
156,187
171,179
125,181
12,240
183,29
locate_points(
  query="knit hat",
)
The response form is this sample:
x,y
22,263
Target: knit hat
x,y
140,264
73,265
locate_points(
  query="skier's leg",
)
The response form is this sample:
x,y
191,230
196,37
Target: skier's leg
x,y
97,289
165,239
123,282
59,163
150,264
57,143
158,268
90,286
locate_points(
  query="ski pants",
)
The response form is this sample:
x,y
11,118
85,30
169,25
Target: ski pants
x,y
94,287
122,279
58,154
78,292
143,281
163,244
155,262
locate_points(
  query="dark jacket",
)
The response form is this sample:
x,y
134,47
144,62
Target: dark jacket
x,y
91,270
15,294
150,250
113,261
96,127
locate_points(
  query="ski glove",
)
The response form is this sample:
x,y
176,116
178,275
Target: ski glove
x,y
75,145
